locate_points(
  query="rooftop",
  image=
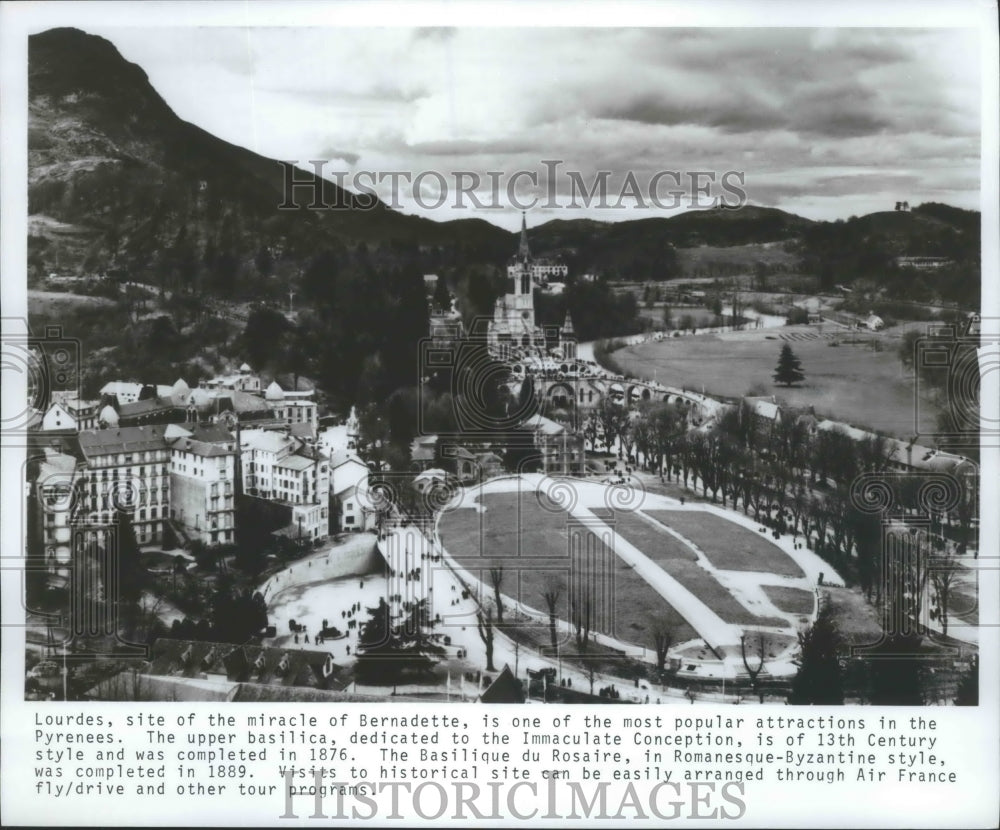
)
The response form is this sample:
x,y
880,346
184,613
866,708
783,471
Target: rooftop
x,y
95,442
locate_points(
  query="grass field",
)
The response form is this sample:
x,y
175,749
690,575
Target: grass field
x,y
851,383
790,600
727,545
672,556
531,544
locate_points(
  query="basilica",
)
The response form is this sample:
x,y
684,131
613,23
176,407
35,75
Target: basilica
x,y
513,332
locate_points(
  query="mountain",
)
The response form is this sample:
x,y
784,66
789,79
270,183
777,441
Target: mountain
x,y
116,179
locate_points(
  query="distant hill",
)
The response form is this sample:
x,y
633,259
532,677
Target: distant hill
x,y
643,248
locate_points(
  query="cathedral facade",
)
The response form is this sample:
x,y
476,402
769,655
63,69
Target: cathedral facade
x,y
513,332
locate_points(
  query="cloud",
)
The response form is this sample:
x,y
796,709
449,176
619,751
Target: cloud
x,y
829,114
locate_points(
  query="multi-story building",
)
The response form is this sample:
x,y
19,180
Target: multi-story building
x,y
292,407
202,483
127,469
284,469
160,473
349,489
67,411
54,490
560,449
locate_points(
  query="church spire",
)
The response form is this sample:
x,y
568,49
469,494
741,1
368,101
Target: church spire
x,y
522,251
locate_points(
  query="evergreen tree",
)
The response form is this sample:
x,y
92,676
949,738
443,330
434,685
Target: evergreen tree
x,y
388,653
819,680
132,576
789,368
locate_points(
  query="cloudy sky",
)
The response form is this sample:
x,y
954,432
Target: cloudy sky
x,y
822,122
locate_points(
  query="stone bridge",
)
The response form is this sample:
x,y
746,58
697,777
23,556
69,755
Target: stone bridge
x,y
560,390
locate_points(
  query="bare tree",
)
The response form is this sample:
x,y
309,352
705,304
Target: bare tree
x,y
582,609
944,575
496,580
551,594
484,624
754,671
663,638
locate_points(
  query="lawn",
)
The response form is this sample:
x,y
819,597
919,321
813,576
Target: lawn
x,y
728,546
531,544
645,536
848,382
665,551
790,600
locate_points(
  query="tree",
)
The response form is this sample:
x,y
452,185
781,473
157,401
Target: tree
x,y
264,335
551,594
581,610
945,572
789,368
663,638
484,625
496,580
132,576
754,671
388,653
819,680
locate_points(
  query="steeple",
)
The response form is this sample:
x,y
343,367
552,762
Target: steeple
x,y
567,327
522,252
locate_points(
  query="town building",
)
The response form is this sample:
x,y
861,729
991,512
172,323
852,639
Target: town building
x,y
284,469
340,437
242,380
292,407
182,670
54,501
127,469
129,392
349,491
561,450
68,411
202,485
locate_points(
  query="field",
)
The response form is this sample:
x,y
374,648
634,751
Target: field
x,y
727,545
682,565
790,600
531,544
851,383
